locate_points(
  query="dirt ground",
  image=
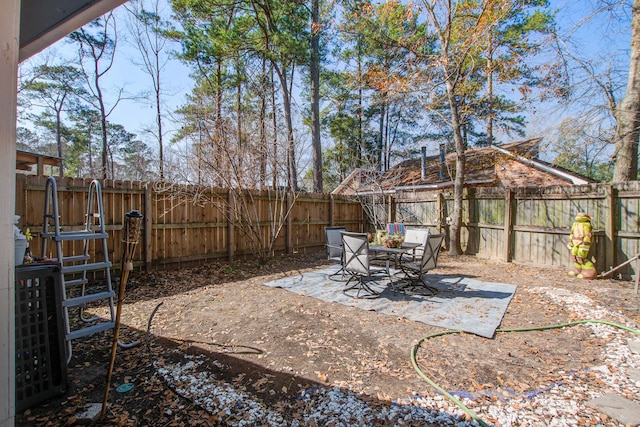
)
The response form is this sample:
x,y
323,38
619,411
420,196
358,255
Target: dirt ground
x,y
272,343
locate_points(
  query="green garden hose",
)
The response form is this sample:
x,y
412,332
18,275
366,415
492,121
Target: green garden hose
x,y
473,415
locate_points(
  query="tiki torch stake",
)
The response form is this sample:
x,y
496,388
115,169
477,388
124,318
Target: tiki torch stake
x,y
130,235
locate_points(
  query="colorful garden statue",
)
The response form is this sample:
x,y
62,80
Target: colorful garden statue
x,y
579,244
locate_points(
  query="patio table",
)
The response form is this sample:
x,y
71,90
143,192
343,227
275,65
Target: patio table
x,y
393,253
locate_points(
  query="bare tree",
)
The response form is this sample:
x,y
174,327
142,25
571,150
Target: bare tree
x,y
595,85
97,43
54,88
146,27
628,112
260,216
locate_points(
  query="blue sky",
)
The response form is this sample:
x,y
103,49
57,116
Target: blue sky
x,y
597,40
601,40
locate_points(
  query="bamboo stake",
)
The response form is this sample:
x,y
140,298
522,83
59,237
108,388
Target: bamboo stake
x,y
130,235
618,267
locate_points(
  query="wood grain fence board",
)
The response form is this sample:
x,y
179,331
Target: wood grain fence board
x,y
628,215
417,213
522,247
498,249
492,243
482,235
560,254
114,202
626,248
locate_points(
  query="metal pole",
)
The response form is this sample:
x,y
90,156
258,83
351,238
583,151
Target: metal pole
x,y
130,235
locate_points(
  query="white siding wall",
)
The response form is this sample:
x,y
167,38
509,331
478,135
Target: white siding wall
x,y
9,26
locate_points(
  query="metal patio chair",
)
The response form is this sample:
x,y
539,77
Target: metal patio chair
x,y
334,250
415,271
416,235
357,265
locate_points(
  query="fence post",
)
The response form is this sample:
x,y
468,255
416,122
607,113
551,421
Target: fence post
x,y
147,238
391,213
508,225
332,206
440,211
289,236
230,240
20,208
609,227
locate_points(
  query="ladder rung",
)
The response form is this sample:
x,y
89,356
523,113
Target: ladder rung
x,y
75,258
94,329
85,299
85,267
75,282
76,235
62,233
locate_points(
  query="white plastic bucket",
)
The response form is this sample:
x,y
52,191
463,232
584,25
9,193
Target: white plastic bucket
x,y
21,247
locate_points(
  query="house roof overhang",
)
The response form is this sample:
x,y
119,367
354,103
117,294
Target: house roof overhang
x,y
44,22
423,187
26,160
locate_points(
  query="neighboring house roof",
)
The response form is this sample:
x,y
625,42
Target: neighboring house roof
x,y
508,165
356,179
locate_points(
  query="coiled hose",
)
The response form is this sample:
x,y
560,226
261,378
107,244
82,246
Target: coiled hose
x,y
473,415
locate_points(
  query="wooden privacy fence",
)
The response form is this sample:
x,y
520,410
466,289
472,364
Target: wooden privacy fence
x,y
179,228
523,225
532,225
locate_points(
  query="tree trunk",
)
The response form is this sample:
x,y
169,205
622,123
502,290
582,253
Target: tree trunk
x,y
274,160
105,146
159,120
314,70
362,147
241,148
490,91
218,132
292,178
103,124
381,138
263,128
628,111
59,138
455,248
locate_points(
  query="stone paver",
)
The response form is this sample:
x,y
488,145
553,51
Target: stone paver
x,y
90,414
624,410
633,374
634,346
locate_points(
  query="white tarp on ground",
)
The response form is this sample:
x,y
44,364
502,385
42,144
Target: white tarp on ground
x,y
462,303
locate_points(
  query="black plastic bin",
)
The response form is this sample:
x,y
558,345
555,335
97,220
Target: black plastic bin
x,y
41,368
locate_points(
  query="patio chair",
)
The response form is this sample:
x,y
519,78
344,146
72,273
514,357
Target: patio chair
x,y
416,235
334,249
357,265
415,271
